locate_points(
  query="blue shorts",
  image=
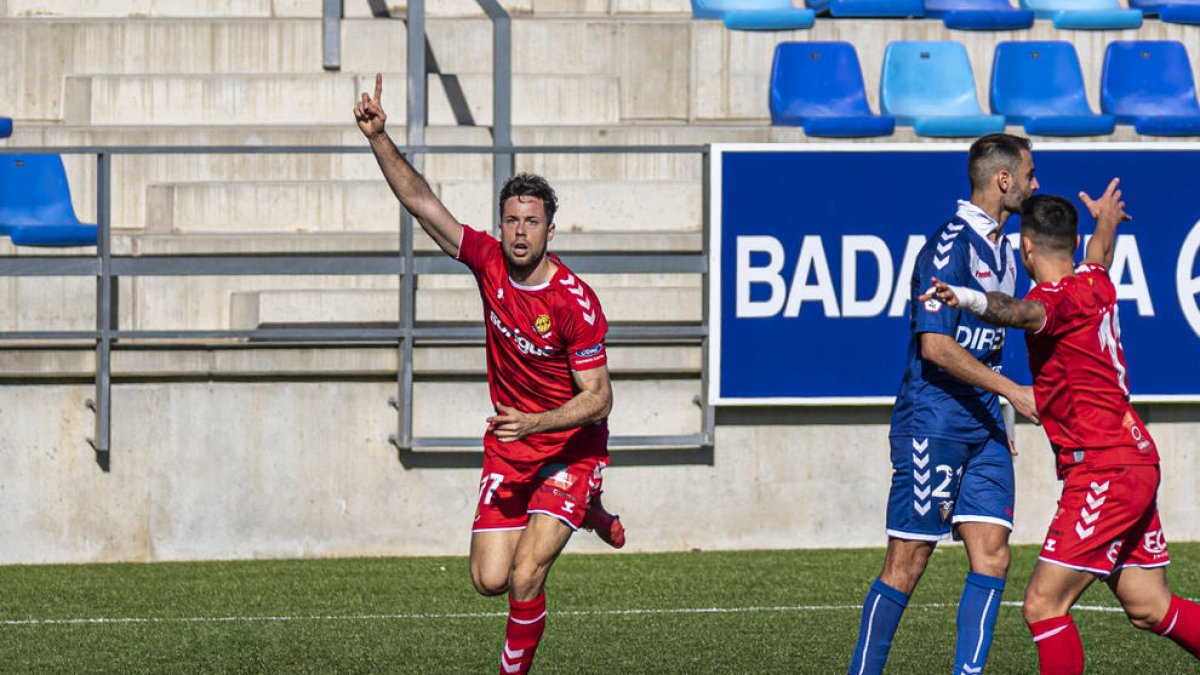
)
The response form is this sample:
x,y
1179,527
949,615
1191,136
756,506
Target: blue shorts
x,y
938,483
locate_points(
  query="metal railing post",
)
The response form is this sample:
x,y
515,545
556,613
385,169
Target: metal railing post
x,y
708,414
502,162
331,34
415,116
105,311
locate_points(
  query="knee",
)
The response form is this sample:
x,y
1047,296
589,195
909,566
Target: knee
x,y
1144,616
903,573
992,562
1039,607
489,585
526,579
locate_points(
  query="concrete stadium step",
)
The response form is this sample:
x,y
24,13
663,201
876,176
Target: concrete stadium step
x,y
658,303
231,360
312,206
325,99
136,9
210,243
574,8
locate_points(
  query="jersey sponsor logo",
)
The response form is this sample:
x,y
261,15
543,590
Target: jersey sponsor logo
x,y
1155,543
524,344
1114,551
987,339
590,351
542,323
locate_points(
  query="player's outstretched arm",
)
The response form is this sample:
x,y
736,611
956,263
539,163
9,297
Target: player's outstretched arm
x,y
409,186
945,352
1109,212
998,309
591,404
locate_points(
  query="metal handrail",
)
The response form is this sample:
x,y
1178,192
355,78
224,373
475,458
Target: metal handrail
x,y
406,264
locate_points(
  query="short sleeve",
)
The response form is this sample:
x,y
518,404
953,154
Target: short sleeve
x,y
476,248
949,263
584,328
1073,299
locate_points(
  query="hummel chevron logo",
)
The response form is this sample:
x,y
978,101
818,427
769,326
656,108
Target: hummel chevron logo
x,y
944,248
584,303
921,476
1084,532
568,280
955,228
1100,488
921,508
510,660
968,670
513,653
576,290
589,317
1095,503
940,262
920,447
922,493
921,462
1088,518
948,236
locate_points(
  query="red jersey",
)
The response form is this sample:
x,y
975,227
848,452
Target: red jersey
x,y
536,336
1080,380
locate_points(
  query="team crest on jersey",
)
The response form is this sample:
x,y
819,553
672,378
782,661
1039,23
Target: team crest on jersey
x,y
542,323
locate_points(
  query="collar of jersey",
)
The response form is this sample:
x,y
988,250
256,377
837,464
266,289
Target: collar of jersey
x,y
522,287
982,223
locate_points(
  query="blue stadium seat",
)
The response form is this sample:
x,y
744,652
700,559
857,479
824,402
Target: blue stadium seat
x,y
754,14
1149,84
819,85
1040,85
1085,14
929,86
1170,11
979,14
865,8
35,203
5,127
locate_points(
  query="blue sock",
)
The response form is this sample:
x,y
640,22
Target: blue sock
x,y
977,612
881,614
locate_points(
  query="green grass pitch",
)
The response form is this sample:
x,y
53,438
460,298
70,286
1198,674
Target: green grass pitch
x,y
700,612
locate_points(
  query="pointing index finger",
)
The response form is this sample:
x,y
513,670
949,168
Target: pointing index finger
x,y
378,86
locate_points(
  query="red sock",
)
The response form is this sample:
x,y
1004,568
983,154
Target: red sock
x,y
1182,625
526,621
1059,650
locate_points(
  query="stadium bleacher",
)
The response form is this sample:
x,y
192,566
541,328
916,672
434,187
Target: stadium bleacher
x,y
1039,85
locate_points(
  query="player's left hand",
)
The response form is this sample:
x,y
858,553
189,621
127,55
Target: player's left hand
x,y
1108,205
941,291
510,424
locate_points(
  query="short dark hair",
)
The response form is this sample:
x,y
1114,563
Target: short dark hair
x,y
1051,222
530,185
992,153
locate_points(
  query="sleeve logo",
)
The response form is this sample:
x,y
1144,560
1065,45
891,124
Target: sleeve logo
x,y
590,351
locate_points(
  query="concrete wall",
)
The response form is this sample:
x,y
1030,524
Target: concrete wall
x,y
203,470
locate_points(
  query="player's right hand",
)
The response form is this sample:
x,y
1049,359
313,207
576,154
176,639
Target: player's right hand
x,y
369,113
1022,402
1109,205
942,292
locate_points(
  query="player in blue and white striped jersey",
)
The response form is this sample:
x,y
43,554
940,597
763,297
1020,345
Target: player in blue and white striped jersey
x,y
952,468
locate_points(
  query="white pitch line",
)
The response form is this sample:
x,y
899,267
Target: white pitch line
x,y
482,615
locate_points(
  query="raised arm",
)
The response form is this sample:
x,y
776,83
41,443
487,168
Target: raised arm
x,y
409,186
591,404
1109,212
994,307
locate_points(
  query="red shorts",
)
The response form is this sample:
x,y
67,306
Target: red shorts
x,y
1107,519
561,486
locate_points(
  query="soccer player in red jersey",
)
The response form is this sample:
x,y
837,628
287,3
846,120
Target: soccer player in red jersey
x,y
1107,523
547,444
